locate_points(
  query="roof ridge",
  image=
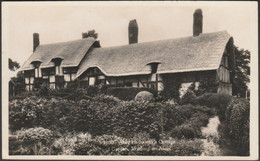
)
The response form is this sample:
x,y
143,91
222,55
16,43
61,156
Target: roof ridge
x,y
201,35
64,42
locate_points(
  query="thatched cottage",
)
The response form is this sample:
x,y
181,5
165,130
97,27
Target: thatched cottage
x,y
136,64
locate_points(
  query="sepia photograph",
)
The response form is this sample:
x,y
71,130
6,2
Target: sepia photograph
x,y
130,80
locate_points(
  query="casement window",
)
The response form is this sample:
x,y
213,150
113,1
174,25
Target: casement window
x,y
29,79
37,70
92,81
58,68
70,74
91,77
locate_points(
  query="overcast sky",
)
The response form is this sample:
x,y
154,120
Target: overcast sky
x,y
59,22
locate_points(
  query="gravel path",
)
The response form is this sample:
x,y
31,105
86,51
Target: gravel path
x,y
211,135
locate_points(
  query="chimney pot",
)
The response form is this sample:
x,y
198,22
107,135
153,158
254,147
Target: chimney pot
x,y
133,32
36,41
197,22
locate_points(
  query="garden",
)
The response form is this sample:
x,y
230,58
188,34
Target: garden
x,y
90,122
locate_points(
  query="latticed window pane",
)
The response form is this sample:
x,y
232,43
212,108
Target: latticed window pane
x,y
52,78
73,77
27,80
31,80
67,77
92,81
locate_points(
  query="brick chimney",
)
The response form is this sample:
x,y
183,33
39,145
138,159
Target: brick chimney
x,y
197,22
36,41
133,32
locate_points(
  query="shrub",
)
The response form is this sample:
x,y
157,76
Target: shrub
x,y
172,84
208,84
44,89
127,93
134,117
114,145
92,90
104,114
36,140
144,96
238,124
187,147
105,87
188,97
184,131
191,128
218,101
22,114
38,82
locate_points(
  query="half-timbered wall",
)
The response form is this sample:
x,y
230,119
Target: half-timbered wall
x,y
223,71
223,75
29,79
91,77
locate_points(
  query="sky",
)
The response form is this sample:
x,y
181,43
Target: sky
x,y
65,21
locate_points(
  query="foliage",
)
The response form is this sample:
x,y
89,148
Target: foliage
x,y
92,90
208,84
38,82
127,93
218,101
36,140
100,125
188,97
99,115
242,72
172,85
13,65
19,83
191,128
34,112
238,124
44,89
105,87
85,144
144,96
90,33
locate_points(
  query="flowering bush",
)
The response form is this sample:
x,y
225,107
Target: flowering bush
x,y
37,140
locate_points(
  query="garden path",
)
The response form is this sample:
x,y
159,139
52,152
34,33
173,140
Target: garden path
x,y
211,135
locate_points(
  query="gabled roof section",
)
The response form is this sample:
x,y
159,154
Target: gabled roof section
x,y
198,53
71,52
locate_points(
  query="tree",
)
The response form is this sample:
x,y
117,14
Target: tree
x,y
13,65
242,72
90,33
19,79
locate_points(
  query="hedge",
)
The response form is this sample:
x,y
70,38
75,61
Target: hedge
x,y
238,118
127,93
100,115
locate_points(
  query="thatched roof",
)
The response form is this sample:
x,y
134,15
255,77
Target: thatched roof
x,y
198,53
71,52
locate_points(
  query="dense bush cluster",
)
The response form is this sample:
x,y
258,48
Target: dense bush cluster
x,y
94,125
237,120
219,102
101,115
